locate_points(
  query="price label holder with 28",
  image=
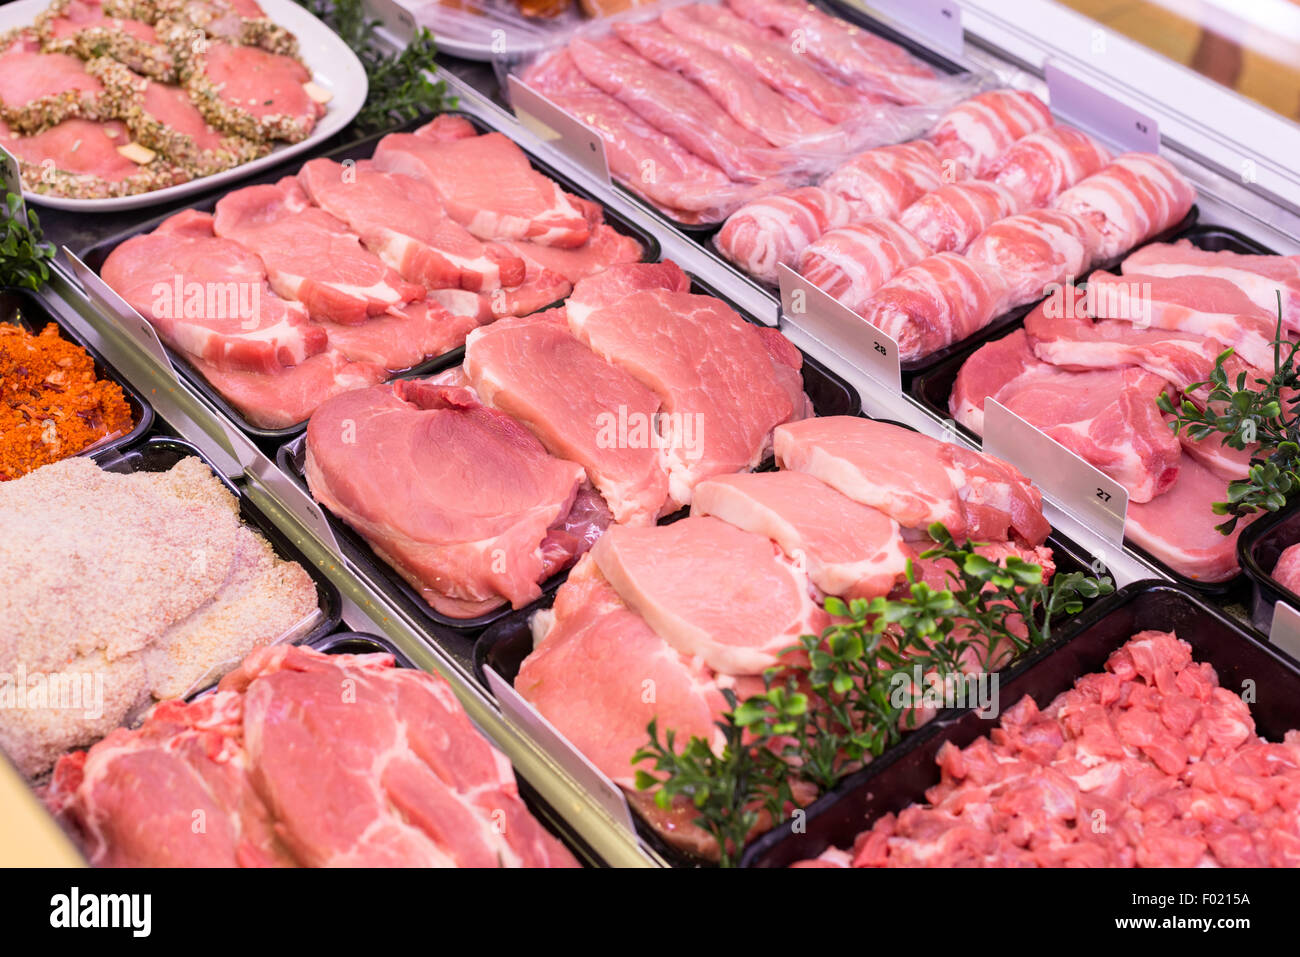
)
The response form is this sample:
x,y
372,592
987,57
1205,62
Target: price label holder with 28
x,y
1083,105
840,328
1080,488
570,136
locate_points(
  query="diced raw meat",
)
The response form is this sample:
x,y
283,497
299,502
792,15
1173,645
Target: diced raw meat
x,y
309,255
288,397
1201,305
464,505
588,673
486,184
1134,198
1035,250
1287,570
38,89
848,549
765,56
914,479
850,53
1178,526
886,180
977,131
722,388
675,106
209,298
253,92
754,105
645,160
401,220
582,408
852,262
949,218
941,300
773,231
1108,417
711,591
1039,167
1261,278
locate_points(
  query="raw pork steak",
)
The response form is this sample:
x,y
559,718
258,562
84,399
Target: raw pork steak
x,y
849,549
466,502
253,92
711,590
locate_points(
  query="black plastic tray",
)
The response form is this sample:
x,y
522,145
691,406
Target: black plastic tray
x,y
1258,549
24,307
901,777
830,395
933,387
355,643
95,255
160,453
504,646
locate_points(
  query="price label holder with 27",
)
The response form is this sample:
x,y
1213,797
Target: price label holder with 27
x,y
1285,631
1083,105
569,135
576,764
1080,488
937,22
840,328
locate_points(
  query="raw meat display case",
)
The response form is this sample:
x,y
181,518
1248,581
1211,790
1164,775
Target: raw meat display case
x,y
1206,136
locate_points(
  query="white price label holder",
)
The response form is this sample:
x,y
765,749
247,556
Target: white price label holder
x,y
128,320
1081,104
937,22
1285,631
840,328
595,782
575,139
1077,486
295,500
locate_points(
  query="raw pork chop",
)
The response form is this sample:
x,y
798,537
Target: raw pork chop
x,y
941,300
464,504
1178,527
225,314
859,58
1035,250
1039,167
606,247
582,408
288,397
253,92
1137,196
765,56
675,106
886,180
914,479
974,133
755,106
949,218
485,183
773,231
401,220
849,549
402,337
711,591
1261,278
723,384
309,255
589,670
852,262
1108,417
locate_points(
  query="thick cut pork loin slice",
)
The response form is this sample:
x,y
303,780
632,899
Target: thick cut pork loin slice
x,y
711,591
469,507
849,549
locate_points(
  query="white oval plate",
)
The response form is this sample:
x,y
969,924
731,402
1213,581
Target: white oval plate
x,y
333,65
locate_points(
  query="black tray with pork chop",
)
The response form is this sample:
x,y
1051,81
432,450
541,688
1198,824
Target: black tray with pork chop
x,y
1125,636
827,393
586,644
295,363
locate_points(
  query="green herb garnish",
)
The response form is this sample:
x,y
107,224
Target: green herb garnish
x,y
24,254
1264,411
399,90
837,702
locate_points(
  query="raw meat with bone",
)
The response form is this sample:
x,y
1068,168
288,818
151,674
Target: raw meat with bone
x,y
852,262
773,231
1135,197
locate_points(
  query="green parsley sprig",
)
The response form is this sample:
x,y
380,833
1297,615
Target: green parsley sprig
x,y
24,253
